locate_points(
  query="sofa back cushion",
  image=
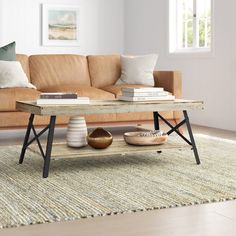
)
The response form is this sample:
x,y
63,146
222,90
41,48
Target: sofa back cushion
x,y
104,70
47,71
24,61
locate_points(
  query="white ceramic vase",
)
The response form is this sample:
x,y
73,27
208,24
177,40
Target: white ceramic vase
x,y
77,132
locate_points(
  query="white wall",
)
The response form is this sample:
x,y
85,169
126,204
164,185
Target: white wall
x,y
212,79
101,22
1,21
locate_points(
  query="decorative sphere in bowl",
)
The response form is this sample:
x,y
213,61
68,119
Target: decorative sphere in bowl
x,y
99,138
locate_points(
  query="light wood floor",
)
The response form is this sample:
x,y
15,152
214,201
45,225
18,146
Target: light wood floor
x,y
209,219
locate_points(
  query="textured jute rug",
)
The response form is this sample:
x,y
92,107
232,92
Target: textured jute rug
x,y
81,188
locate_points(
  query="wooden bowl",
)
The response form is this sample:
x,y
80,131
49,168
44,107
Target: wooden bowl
x,y
134,138
99,138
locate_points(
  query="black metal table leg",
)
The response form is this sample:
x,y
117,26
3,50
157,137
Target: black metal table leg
x,y
27,135
49,147
156,120
174,129
191,137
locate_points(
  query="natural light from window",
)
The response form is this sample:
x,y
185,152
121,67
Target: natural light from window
x,y
190,25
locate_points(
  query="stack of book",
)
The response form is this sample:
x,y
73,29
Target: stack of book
x,y
61,98
145,94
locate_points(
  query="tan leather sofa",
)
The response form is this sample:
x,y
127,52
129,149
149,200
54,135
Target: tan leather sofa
x,y
91,76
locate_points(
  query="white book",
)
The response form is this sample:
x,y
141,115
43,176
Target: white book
x,y
145,94
142,99
73,101
141,90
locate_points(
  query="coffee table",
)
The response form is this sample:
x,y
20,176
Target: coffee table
x,y
103,107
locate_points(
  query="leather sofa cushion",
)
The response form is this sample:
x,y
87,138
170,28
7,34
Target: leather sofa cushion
x,y
142,116
59,70
116,89
83,91
104,70
18,119
24,61
9,96
100,118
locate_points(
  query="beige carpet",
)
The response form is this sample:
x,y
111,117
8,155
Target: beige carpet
x,y
80,188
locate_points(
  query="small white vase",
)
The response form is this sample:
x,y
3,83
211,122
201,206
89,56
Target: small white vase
x,y
77,132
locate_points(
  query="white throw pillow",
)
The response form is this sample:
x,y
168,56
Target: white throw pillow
x,y
13,75
138,69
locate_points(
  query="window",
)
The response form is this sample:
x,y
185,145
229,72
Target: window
x,y
190,25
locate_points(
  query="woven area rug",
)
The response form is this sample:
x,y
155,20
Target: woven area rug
x,y
81,188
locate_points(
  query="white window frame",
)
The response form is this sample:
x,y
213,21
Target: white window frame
x,y
172,32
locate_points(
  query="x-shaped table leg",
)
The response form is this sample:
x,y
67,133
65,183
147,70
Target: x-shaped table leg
x,y
173,129
27,142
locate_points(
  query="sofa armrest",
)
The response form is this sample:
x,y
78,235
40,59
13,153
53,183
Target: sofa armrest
x,y
171,81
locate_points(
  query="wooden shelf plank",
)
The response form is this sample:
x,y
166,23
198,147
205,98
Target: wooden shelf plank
x,y
61,150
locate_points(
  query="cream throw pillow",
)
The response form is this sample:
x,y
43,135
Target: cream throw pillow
x,y
138,69
13,75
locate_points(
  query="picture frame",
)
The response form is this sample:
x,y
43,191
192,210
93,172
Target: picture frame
x,y
60,25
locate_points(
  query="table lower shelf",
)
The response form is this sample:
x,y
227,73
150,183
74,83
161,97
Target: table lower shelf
x,y
118,147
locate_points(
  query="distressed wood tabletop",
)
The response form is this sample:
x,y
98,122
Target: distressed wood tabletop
x,y
108,106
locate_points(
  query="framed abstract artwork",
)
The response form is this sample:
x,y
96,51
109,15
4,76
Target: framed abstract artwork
x,y
60,25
